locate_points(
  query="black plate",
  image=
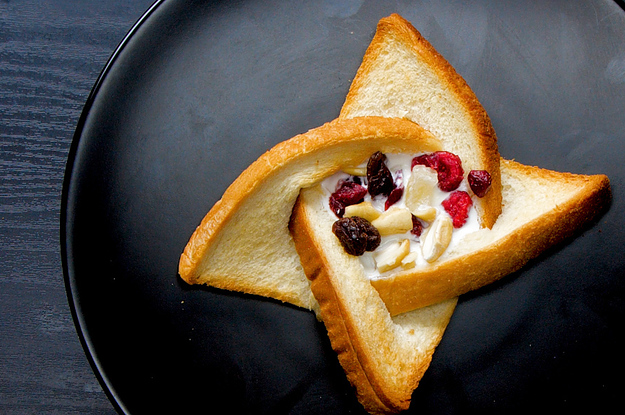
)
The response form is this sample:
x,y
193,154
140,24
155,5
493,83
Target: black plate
x,y
198,90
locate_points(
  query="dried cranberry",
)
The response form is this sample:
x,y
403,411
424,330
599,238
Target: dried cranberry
x,y
347,193
427,160
395,195
457,205
356,234
480,181
379,176
417,226
337,207
397,192
447,165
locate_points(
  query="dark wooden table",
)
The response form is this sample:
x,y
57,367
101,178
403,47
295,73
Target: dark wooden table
x,y
51,53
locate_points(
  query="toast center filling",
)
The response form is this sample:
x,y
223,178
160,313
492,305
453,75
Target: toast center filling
x,y
418,222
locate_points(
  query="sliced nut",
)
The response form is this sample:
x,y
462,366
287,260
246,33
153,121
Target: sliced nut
x,y
395,220
391,257
427,213
364,209
410,260
437,238
420,186
355,171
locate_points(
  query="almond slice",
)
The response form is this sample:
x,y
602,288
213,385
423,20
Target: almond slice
x,y
364,209
395,220
427,213
391,257
355,171
437,238
410,260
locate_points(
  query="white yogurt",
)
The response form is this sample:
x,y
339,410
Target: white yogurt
x,y
395,163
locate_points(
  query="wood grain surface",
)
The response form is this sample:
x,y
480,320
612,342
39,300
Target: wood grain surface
x,y
51,53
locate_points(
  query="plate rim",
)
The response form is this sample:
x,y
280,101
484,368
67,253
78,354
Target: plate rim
x,y
69,276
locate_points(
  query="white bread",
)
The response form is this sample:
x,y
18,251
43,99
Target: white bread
x,y
541,208
384,357
243,242
276,271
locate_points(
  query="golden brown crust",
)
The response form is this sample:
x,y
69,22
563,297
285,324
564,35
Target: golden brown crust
x,y
459,275
397,26
341,141
344,337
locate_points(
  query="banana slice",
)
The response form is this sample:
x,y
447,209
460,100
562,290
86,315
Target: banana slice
x,y
420,187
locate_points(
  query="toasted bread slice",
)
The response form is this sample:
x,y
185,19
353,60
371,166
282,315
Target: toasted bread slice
x,y
541,208
402,75
243,243
384,357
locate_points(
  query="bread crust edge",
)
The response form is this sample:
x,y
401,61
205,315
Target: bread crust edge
x,y
375,397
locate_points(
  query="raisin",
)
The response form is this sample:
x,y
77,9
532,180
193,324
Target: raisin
x,y
347,193
457,205
417,226
379,176
479,181
448,167
397,192
356,234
